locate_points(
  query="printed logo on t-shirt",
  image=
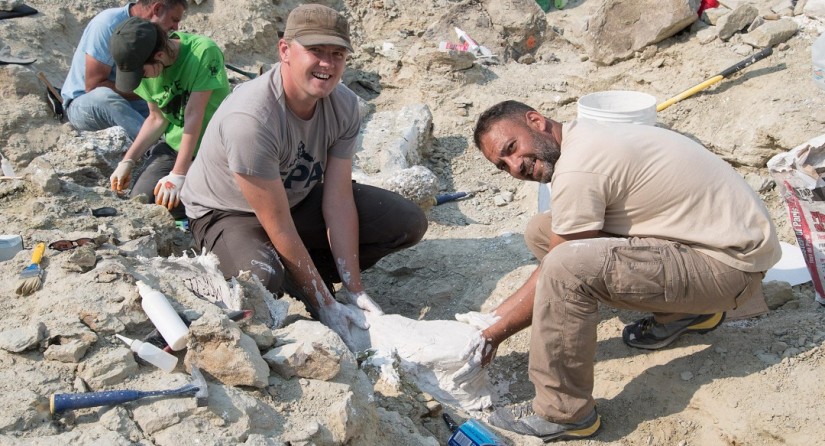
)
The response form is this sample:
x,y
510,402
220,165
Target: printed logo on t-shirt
x,y
174,102
213,68
304,170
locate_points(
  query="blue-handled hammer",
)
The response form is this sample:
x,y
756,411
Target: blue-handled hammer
x,y
61,402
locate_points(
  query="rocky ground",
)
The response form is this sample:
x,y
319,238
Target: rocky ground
x,y
751,382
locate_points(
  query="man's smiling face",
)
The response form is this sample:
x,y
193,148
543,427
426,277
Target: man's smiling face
x,y
521,150
316,69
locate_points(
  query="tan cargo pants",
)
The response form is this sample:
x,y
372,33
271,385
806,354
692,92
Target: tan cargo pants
x,y
669,279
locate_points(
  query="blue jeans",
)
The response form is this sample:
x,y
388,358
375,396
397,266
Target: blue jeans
x,y
102,108
159,162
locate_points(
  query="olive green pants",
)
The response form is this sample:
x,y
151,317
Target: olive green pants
x,y
666,278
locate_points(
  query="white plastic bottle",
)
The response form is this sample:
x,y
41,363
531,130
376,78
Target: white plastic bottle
x,y
161,313
818,56
151,354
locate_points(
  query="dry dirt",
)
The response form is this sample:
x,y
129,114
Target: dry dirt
x,y
730,387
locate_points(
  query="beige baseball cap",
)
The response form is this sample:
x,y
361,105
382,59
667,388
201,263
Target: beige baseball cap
x,y
315,24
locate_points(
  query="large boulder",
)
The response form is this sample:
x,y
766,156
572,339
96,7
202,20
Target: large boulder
x,y
621,27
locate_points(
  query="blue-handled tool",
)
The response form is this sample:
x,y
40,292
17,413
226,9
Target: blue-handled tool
x,y
470,433
449,196
61,402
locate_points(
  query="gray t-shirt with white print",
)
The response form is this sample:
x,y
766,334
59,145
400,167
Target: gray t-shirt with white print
x,y
254,133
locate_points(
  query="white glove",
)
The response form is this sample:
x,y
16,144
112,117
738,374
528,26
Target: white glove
x,y
122,174
338,318
478,352
478,320
365,302
167,191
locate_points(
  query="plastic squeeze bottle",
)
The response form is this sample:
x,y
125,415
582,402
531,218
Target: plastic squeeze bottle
x,y
151,354
165,318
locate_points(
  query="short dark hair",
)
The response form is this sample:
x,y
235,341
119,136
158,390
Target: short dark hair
x,y
162,44
167,4
511,110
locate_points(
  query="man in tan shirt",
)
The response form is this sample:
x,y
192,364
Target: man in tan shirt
x,y
642,218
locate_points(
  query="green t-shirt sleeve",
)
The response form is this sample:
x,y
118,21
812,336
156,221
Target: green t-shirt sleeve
x,y
141,91
211,73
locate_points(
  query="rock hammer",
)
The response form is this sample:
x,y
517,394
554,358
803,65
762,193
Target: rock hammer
x,y
61,402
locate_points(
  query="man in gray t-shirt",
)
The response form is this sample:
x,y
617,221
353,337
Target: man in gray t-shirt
x,y
271,189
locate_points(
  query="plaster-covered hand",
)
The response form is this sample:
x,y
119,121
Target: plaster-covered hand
x,y
167,191
477,354
122,175
478,320
365,302
338,318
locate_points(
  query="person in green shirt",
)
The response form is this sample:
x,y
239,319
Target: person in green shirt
x,y
182,78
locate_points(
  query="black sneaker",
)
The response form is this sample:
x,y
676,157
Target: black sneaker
x,y
648,334
521,418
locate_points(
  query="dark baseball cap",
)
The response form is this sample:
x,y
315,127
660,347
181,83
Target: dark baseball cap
x,y
131,46
317,25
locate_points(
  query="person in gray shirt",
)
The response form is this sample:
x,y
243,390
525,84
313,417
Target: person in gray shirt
x,y
271,189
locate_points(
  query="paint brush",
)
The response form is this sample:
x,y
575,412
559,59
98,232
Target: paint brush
x,y
31,276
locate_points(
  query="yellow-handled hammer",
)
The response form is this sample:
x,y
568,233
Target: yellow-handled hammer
x,y
730,70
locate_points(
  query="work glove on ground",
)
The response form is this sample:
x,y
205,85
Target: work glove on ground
x,y
122,175
167,191
338,318
477,354
478,320
365,302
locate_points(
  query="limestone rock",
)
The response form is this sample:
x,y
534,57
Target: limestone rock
x,y
390,141
240,411
706,36
23,412
145,246
258,299
759,183
395,419
417,184
155,415
217,346
68,331
81,260
8,5
771,33
118,420
102,321
17,340
260,333
522,23
431,59
312,352
711,16
814,9
43,176
738,19
72,351
108,367
777,293
620,28
305,361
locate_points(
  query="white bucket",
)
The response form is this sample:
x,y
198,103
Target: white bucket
x,y
631,107
9,246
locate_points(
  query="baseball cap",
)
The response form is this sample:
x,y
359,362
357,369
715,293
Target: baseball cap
x,y
131,46
315,24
